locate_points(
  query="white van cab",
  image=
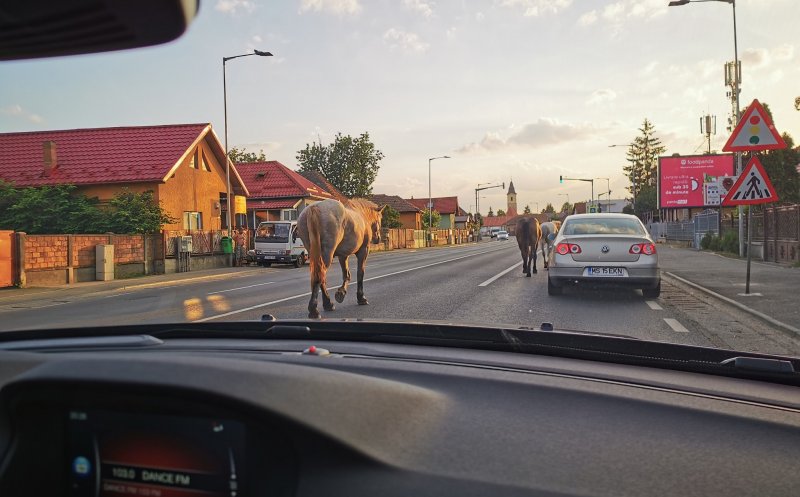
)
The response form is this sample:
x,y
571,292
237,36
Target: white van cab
x,y
277,242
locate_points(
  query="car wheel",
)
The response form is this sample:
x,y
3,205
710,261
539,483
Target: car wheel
x,y
553,289
652,293
267,264
301,259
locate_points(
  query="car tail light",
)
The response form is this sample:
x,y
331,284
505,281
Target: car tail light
x,y
643,248
568,248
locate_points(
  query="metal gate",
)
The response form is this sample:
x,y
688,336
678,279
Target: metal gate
x,y
6,258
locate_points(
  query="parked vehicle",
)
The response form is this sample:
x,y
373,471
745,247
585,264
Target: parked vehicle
x,y
277,242
502,235
494,231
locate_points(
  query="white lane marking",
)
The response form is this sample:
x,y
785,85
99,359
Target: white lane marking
x,y
675,325
253,307
493,278
653,305
241,288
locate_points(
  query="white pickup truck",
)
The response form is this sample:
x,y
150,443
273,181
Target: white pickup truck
x,y
277,242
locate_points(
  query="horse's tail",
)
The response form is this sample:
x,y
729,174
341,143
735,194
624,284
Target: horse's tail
x,y
314,226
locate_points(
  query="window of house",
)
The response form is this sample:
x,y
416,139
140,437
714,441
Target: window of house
x,y
192,220
288,214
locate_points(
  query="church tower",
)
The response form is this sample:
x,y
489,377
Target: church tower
x,y
512,200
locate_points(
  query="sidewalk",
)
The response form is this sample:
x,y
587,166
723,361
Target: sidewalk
x,y
773,288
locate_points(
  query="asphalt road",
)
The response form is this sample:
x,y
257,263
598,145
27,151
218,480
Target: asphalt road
x,y
473,283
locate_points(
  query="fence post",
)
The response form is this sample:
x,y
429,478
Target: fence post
x,y
70,268
21,238
145,259
775,234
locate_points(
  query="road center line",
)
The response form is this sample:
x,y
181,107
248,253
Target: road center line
x,y
241,288
253,307
493,278
675,325
653,305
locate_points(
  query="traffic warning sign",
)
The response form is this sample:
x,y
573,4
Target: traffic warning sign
x,y
754,132
752,187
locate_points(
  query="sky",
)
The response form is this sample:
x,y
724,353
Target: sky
x,y
509,89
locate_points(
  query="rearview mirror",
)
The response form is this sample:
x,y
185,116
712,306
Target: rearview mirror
x,y
49,28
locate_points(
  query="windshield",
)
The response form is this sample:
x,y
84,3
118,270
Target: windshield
x,y
610,226
138,186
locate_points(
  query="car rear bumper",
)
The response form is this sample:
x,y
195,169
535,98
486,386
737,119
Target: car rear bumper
x,y
274,258
644,277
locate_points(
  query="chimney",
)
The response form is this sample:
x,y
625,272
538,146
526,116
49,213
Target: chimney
x,y
50,159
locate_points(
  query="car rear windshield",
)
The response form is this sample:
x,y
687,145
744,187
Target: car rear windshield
x,y
603,227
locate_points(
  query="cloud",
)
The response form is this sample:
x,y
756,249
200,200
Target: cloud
x,y
588,18
479,16
338,7
451,33
232,6
600,96
17,111
419,6
541,133
535,8
410,42
762,57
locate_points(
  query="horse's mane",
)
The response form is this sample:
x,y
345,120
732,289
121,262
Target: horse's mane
x,y
366,207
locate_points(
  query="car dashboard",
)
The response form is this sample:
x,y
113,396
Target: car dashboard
x,y
241,417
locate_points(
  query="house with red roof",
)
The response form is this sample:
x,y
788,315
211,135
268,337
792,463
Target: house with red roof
x,y
276,192
447,207
410,215
183,164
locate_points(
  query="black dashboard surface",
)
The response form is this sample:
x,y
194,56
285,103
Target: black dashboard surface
x,y
383,419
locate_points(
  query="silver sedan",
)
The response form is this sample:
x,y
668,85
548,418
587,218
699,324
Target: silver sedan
x,y
599,249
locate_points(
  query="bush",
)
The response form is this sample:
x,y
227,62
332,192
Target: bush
x,y
714,244
706,241
730,242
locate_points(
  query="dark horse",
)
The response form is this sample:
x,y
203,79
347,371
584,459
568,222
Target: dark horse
x,y
332,228
528,235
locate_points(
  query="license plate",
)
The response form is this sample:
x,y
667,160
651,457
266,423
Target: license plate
x,y
605,272
269,257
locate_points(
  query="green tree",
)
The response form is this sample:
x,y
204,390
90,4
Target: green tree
x,y
48,209
240,155
136,213
350,164
490,213
434,218
646,200
527,209
566,207
549,209
478,219
643,153
501,212
391,218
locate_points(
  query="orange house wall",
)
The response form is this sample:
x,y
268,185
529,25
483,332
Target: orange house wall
x,y
411,220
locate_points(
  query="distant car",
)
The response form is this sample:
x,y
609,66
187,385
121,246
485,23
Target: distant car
x,y
494,231
502,235
598,249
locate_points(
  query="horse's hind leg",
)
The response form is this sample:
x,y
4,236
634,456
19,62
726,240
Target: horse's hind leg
x,y
544,254
362,264
533,252
342,291
528,261
313,311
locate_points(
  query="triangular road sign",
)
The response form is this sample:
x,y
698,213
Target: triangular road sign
x,y
752,187
754,132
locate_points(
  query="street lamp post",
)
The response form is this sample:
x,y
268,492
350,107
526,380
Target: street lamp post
x,y
564,195
430,198
225,106
734,82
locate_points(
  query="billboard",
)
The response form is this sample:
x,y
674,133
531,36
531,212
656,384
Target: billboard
x,y
694,180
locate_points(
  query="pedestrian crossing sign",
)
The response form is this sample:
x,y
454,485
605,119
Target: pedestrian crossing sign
x,y
755,131
752,187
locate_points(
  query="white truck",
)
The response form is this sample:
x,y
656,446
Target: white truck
x,y
277,242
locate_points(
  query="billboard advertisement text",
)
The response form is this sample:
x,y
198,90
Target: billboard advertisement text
x,y
694,181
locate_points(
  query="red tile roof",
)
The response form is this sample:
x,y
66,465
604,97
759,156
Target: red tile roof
x,y
271,179
442,205
394,202
286,203
97,155
321,181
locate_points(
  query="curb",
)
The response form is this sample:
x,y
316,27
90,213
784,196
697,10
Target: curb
x,y
739,305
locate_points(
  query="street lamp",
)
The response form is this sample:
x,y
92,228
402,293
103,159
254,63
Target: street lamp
x,y
225,105
608,186
734,80
430,198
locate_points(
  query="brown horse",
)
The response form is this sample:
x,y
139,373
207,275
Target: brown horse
x,y
331,228
528,235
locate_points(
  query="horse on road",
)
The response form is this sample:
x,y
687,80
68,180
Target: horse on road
x,y
528,232
549,232
334,229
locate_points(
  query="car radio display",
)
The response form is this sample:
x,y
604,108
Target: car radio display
x,y
114,454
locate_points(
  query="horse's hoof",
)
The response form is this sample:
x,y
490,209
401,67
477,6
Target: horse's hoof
x,y
528,275
535,271
339,297
330,307
363,302
313,315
